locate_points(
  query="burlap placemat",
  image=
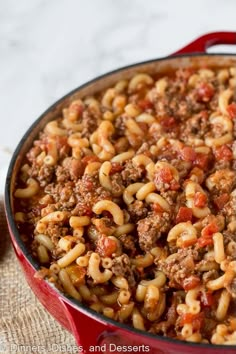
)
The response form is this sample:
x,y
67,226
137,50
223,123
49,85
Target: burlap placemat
x,y
25,326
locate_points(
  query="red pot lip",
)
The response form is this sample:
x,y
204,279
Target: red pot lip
x,y
35,266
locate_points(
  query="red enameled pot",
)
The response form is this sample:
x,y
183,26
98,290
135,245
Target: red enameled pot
x,y
88,327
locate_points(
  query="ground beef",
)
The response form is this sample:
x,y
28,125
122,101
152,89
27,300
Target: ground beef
x,y
56,231
33,153
228,237
151,228
122,267
197,126
137,210
170,196
62,174
229,210
117,184
161,328
81,208
74,166
50,208
232,288
33,215
183,109
183,76
128,244
209,324
221,165
89,124
89,191
120,125
62,194
222,181
44,174
67,192
131,174
162,107
180,266
104,225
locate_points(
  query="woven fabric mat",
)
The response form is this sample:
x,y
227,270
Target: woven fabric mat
x,y
23,320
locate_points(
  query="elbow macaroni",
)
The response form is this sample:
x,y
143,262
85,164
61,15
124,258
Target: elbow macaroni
x,y
94,271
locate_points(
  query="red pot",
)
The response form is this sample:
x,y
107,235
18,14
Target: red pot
x,y
88,327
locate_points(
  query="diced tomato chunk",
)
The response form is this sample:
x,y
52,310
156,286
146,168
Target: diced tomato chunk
x,y
106,246
196,320
231,109
199,200
116,167
207,299
224,153
204,241
87,211
210,229
186,318
168,122
221,201
157,208
188,154
191,282
201,160
174,186
90,158
184,214
165,175
207,234
61,143
187,243
145,104
205,92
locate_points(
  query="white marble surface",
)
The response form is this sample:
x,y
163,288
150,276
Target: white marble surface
x,y
49,47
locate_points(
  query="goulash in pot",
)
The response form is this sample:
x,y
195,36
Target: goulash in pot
x,y
128,202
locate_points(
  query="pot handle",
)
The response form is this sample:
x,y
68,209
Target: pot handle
x,y
201,44
87,330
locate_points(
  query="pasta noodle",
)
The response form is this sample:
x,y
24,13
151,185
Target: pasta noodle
x,y
94,271
69,257
112,208
28,192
